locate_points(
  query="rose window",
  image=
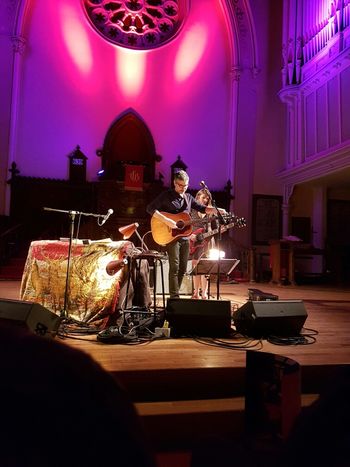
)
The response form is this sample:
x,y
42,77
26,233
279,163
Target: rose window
x,y
137,24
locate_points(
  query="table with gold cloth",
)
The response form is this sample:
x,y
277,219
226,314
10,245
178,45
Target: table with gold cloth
x,y
92,292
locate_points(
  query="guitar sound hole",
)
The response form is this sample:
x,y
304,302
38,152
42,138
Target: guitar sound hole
x,y
180,224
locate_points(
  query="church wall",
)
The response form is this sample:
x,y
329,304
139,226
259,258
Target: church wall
x,y
72,91
270,130
260,119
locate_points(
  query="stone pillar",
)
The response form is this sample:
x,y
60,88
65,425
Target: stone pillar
x,y
285,219
288,191
319,212
18,44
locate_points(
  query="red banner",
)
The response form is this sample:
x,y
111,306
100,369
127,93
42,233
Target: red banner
x,y
133,177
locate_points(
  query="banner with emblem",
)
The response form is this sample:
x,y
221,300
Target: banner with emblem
x,y
133,179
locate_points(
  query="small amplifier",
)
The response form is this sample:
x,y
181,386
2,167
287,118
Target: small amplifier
x,y
258,295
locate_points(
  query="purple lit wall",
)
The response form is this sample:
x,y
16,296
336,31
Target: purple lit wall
x,y
75,85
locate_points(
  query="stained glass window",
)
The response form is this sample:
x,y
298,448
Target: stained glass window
x,y
137,24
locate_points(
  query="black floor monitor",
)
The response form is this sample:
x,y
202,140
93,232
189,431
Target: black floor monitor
x,y
270,318
189,318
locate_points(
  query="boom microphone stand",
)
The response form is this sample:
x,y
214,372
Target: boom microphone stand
x,y
72,214
221,222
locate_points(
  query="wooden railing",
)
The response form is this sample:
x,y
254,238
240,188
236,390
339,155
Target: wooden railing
x,y
10,241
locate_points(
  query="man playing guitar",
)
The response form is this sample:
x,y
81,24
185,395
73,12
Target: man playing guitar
x,y
172,202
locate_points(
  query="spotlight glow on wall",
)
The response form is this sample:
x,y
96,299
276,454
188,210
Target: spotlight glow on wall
x,y
76,38
130,71
191,51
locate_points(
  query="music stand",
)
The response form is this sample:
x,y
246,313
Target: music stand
x,y
206,267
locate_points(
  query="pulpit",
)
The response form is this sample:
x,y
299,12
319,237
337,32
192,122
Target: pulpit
x,y
282,261
92,292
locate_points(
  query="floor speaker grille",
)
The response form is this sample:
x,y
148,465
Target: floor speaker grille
x,y
270,318
188,317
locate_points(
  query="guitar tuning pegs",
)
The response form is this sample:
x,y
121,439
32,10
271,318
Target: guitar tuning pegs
x,y
242,222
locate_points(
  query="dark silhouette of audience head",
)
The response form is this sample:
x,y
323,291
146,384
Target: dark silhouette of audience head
x,y
320,436
60,408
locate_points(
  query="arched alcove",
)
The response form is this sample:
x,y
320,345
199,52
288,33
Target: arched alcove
x,y
128,141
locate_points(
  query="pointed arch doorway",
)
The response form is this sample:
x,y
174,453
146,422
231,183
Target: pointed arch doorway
x,y
128,141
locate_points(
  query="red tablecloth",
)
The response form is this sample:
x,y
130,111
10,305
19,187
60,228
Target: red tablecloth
x,y
92,293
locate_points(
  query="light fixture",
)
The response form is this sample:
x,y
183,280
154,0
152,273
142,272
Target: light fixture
x,y
128,230
114,266
214,254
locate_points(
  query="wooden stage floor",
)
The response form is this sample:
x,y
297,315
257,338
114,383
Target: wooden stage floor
x,y
328,311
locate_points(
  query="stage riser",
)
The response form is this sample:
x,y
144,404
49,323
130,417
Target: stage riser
x,y
174,431
210,383
173,425
184,384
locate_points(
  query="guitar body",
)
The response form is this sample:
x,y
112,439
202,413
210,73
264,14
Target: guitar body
x,y
199,242
162,234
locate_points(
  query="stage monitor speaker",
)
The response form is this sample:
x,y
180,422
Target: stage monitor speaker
x,y
204,318
32,315
270,318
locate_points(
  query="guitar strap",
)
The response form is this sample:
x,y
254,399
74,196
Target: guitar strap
x,y
187,202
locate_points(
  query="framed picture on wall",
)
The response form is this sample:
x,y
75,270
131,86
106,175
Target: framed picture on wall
x,y
267,219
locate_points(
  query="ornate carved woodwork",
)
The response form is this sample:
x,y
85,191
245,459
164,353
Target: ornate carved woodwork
x,y
89,197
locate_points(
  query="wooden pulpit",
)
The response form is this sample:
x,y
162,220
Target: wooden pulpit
x,y
282,261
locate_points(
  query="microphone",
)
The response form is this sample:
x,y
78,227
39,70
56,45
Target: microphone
x,y
202,184
109,213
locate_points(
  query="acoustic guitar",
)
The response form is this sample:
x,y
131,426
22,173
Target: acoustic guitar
x,y
162,234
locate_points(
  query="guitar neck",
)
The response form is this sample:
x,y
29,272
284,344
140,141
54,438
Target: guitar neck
x,y
215,231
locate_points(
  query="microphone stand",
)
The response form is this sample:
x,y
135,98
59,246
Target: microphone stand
x,y
221,222
72,214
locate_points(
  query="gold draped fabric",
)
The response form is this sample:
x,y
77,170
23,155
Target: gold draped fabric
x,y
92,293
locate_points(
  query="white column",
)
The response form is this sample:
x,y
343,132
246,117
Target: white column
x,y
285,220
285,35
19,44
288,191
319,211
235,74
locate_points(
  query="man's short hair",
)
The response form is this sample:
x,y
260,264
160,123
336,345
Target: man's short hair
x,y
181,175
